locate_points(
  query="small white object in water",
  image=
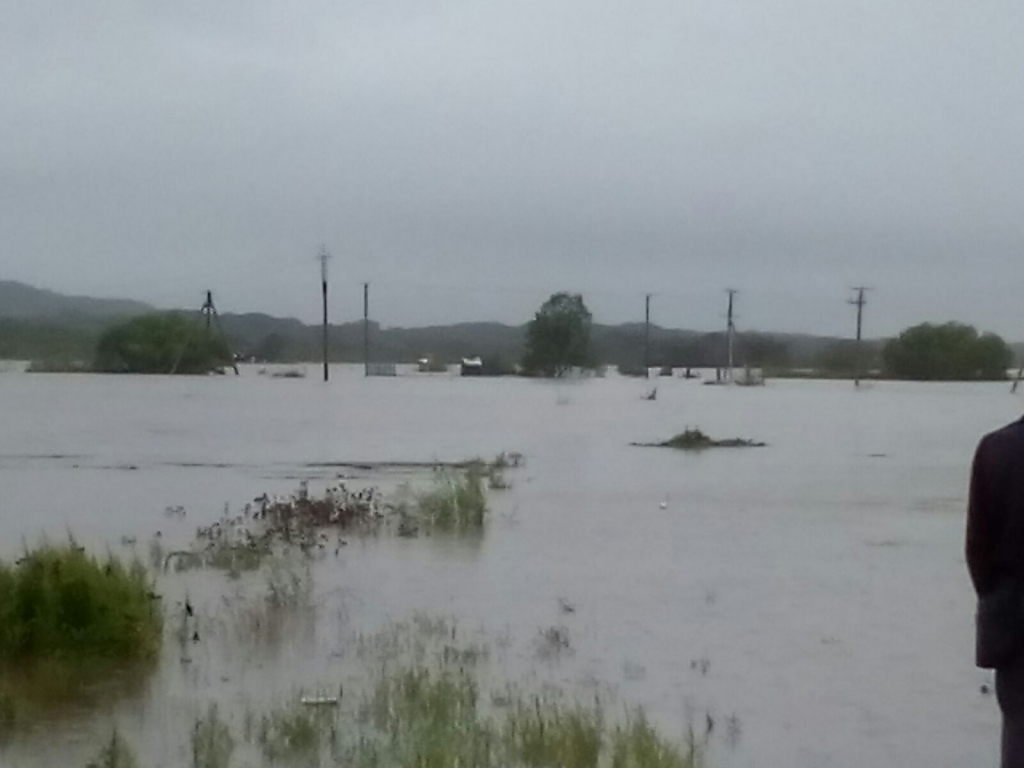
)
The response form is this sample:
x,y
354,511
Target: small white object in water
x,y
664,505
320,701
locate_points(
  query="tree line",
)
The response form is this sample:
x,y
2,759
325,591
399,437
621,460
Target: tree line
x,y
561,336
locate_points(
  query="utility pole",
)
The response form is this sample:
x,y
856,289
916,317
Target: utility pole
x,y
858,302
324,256
647,336
210,315
366,329
730,330
208,309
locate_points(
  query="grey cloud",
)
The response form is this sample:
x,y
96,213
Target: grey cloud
x,y
469,157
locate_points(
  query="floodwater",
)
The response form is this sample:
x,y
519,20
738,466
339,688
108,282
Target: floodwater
x,y
812,592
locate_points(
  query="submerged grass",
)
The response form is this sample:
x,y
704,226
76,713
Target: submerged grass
x,y
59,602
116,753
455,503
431,712
431,717
298,734
212,742
638,745
541,735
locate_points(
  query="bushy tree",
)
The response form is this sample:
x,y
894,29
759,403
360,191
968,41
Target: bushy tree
x,y
558,337
949,352
160,343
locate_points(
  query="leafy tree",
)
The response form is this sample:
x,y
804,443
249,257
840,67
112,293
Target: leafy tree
x,y
948,352
558,337
160,343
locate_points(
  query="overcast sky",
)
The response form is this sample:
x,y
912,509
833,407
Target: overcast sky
x,y
469,158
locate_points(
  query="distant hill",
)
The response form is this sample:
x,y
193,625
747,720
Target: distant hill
x,y
24,302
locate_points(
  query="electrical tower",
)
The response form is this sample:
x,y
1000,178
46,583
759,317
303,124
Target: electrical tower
x,y
860,302
211,318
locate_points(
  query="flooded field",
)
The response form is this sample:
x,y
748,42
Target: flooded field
x,y
804,604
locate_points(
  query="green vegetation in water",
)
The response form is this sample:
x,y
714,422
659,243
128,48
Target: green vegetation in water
x,y
212,742
455,503
558,337
165,343
59,602
73,631
433,717
947,352
695,440
298,734
116,753
422,704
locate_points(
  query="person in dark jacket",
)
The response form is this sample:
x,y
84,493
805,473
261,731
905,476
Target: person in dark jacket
x,y
995,559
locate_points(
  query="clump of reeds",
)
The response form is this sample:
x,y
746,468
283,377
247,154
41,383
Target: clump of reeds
x,y
212,742
456,503
298,734
116,753
539,734
638,745
431,716
59,602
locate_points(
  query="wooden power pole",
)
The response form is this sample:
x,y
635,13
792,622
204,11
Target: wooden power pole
x,y
324,256
647,336
730,330
366,329
860,301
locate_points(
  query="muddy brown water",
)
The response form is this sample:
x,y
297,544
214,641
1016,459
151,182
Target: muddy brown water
x,y
812,592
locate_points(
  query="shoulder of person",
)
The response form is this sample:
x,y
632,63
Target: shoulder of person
x,y
1005,437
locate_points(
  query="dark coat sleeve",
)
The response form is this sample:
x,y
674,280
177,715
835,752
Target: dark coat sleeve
x,y
982,520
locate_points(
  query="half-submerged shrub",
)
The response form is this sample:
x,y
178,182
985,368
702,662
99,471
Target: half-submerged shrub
x,y
59,602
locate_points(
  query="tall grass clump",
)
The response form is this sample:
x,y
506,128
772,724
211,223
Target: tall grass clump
x,y
539,735
638,745
427,718
212,742
60,603
298,734
457,503
116,753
